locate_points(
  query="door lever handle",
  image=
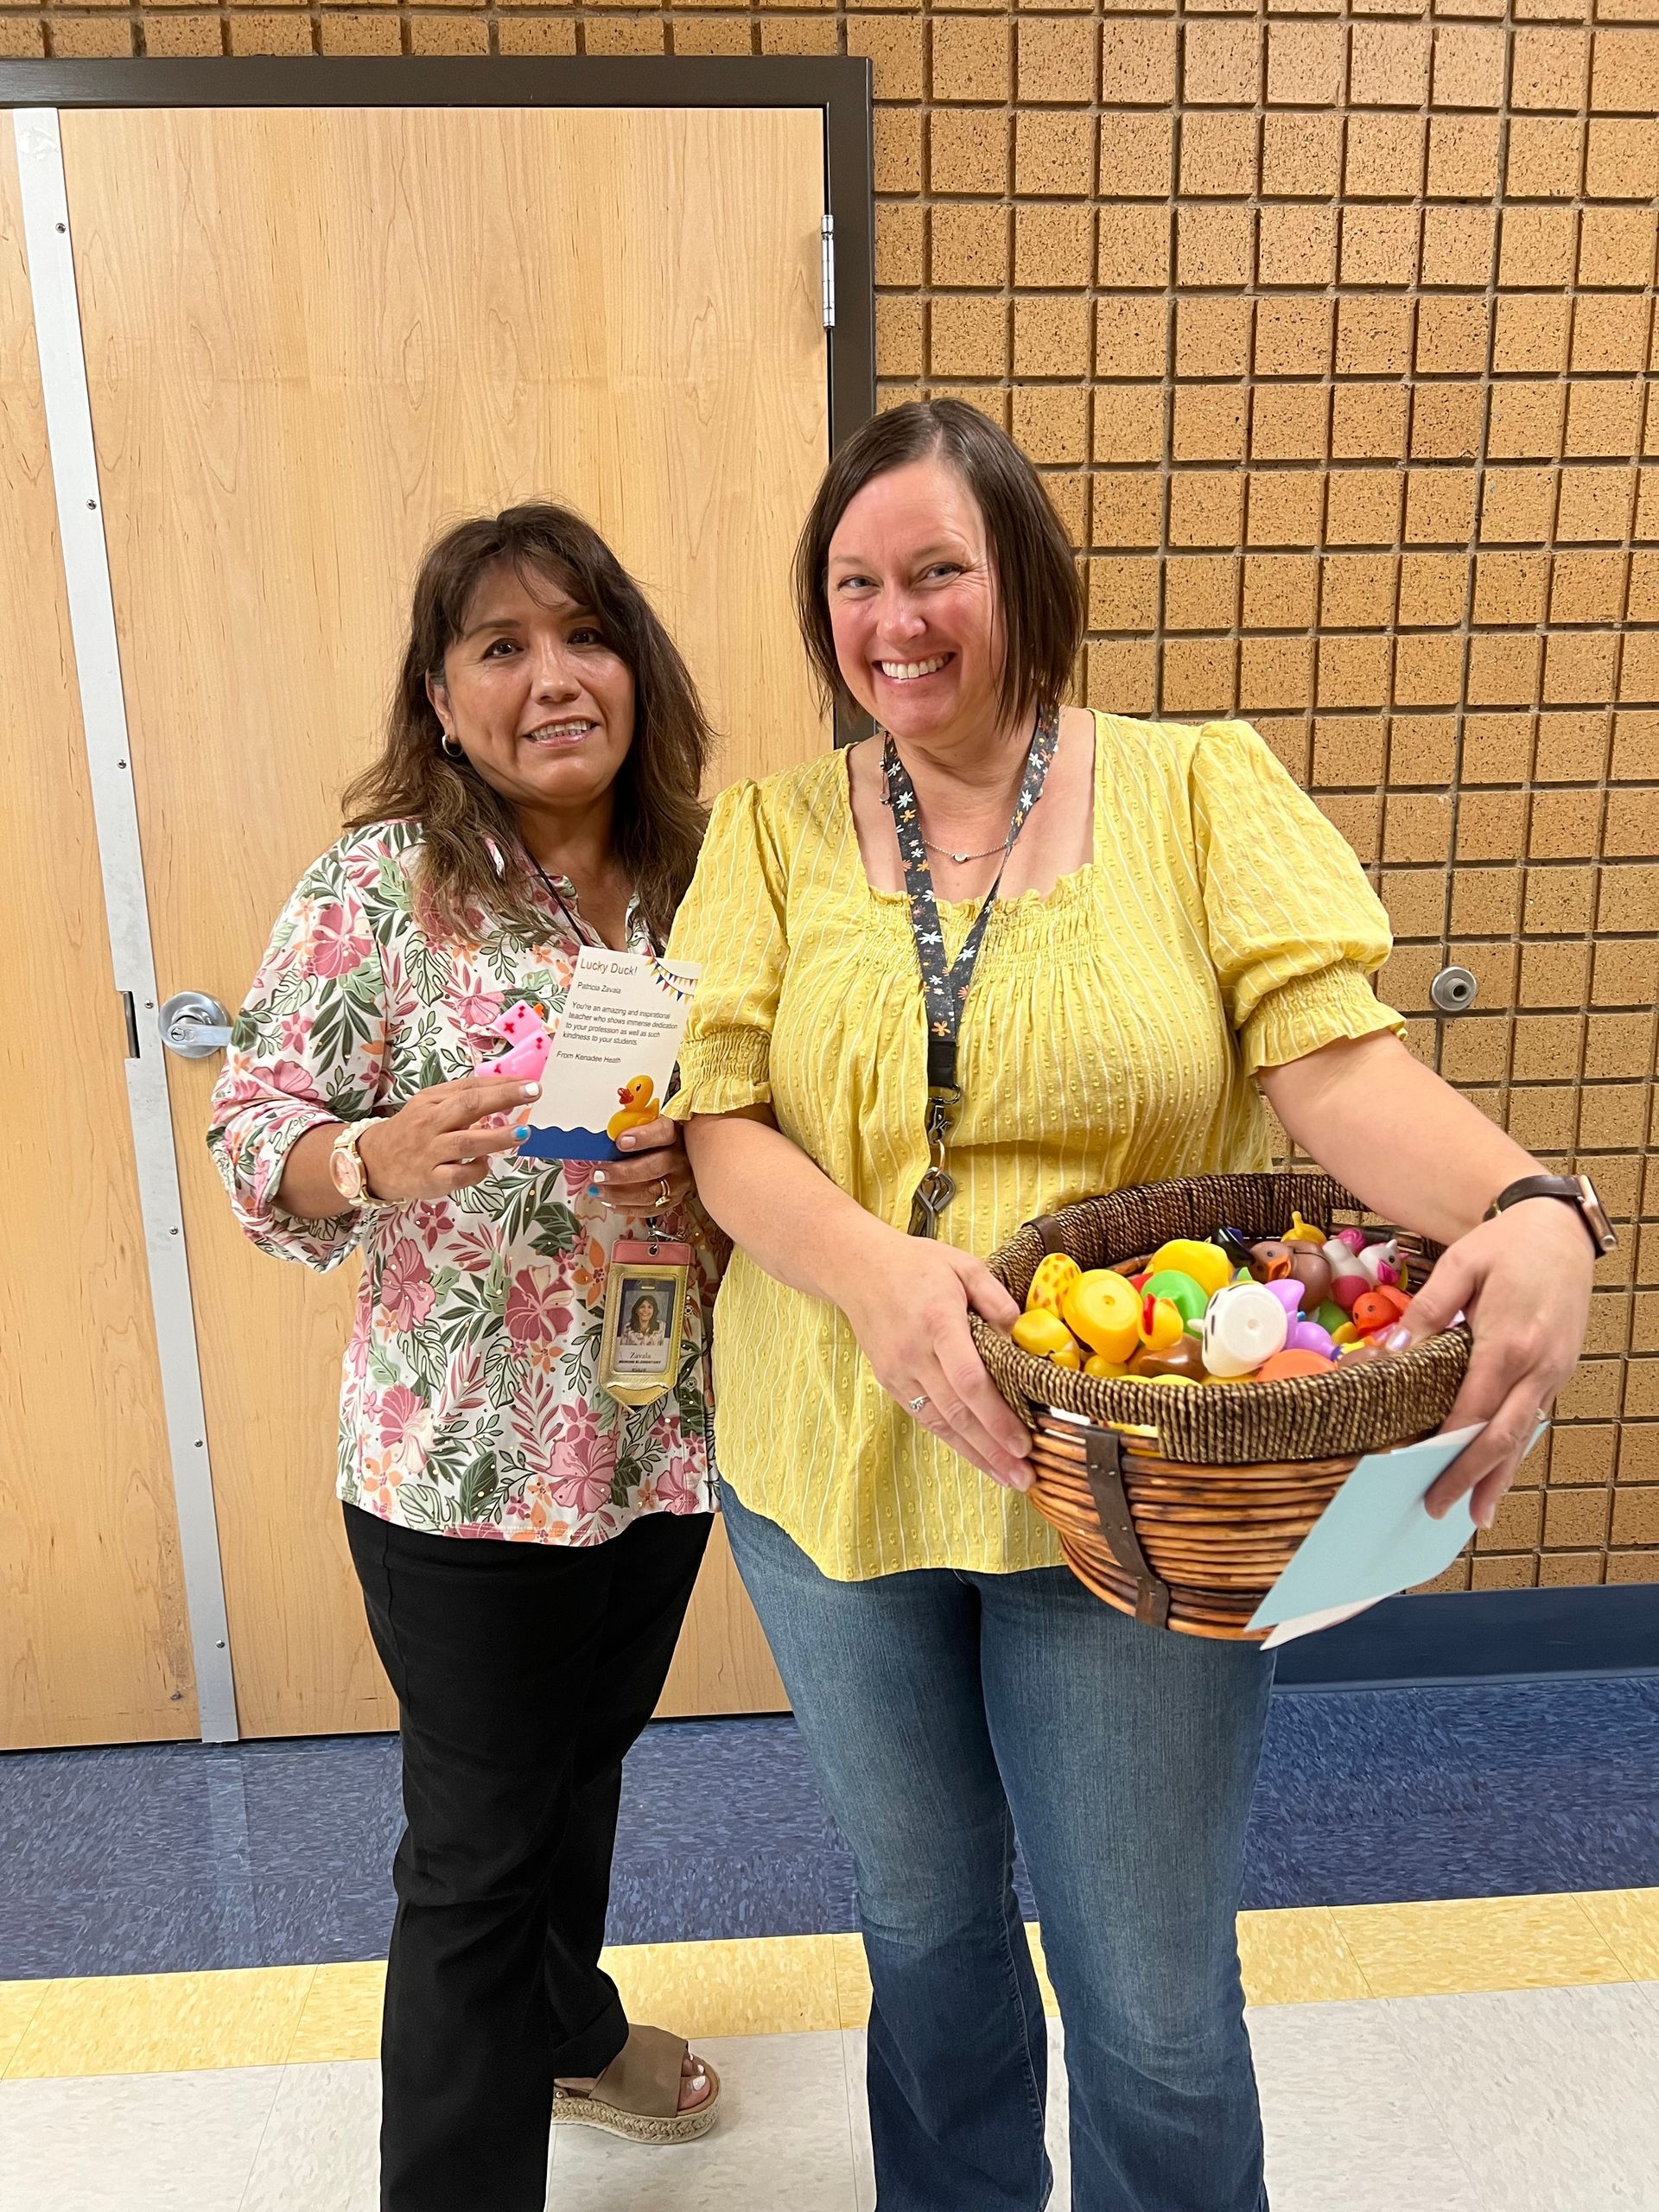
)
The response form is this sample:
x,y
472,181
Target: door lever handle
x,y
194,1025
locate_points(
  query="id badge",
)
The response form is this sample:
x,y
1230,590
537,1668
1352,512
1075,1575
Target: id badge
x,y
645,1313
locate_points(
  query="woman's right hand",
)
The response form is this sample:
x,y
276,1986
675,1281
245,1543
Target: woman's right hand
x,y
909,1312
443,1138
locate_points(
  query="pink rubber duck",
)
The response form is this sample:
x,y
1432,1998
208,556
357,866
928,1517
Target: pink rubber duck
x,y
528,1043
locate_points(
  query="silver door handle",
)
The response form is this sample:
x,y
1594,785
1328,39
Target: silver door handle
x,y
194,1025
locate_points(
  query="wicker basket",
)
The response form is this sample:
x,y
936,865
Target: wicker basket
x,y
1183,1506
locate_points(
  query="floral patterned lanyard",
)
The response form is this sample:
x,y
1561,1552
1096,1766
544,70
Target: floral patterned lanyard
x,y
945,993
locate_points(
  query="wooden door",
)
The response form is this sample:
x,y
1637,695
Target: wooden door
x,y
313,337
94,1644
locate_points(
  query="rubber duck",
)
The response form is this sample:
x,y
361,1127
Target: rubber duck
x,y
1303,1232
1308,1335
525,1027
1331,1316
1162,1324
1348,1279
1270,1260
1056,1274
1378,1311
639,1106
1103,1370
1381,1261
1204,1263
1183,1359
1306,1263
1285,1365
1353,1239
1243,1325
1187,1296
1288,1292
1236,1246
1046,1336
1105,1313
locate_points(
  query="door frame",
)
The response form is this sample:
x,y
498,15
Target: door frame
x,y
838,85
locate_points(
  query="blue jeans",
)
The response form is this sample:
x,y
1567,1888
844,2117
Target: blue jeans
x,y
941,1709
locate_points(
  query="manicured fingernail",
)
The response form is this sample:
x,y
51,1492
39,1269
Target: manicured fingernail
x,y
1487,1514
625,1143
1398,1341
531,1090
599,1177
521,1131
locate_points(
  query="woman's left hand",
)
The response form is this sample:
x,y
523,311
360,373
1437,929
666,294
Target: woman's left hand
x,y
654,1175
1523,1281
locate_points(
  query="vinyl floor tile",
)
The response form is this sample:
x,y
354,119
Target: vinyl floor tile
x,y
1628,1921
783,1985
163,2024
340,2018
320,2152
1345,2116
1495,1943
1551,2095
1297,1957
145,2143
783,2138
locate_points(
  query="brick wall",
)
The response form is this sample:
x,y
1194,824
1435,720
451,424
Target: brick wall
x,y
1332,329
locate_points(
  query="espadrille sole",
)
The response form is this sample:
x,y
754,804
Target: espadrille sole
x,y
639,2127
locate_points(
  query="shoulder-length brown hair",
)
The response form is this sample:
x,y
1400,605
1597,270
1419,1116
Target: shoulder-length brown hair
x,y
1038,584
660,819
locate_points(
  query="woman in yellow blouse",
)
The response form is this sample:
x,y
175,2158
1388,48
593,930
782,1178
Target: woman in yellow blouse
x,y
1172,930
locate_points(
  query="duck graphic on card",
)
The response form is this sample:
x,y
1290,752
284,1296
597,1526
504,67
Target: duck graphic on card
x,y
605,1065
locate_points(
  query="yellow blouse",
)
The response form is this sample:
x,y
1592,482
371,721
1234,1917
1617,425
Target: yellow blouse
x,y
1110,1037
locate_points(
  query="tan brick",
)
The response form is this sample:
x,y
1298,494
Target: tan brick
x,y
1057,61
1131,337
972,61
967,149
1054,153
1463,157
1384,159
1213,245
1138,63
1300,154
1218,155
1220,63
1388,64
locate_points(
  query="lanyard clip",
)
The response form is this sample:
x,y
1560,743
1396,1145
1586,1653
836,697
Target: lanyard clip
x,y
937,1188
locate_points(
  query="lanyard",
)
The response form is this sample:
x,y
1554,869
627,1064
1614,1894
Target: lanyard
x,y
944,993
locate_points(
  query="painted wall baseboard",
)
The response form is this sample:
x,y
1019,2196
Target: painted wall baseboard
x,y
1483,1636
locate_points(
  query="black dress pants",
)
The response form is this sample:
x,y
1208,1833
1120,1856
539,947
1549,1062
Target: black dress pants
x,y
523,1673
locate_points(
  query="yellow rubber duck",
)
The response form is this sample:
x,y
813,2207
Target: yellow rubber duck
x,y
639,1106
1303,1232
1161,1323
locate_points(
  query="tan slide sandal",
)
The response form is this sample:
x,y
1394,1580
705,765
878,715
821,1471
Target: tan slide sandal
x,y
638,2096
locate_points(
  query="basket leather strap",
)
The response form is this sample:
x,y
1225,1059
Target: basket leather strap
x,y
1047,1226
1103,1463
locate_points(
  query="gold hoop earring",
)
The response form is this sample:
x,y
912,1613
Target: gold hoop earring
x,y
450,751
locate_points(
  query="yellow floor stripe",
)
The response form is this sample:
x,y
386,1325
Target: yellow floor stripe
x,y
790,1984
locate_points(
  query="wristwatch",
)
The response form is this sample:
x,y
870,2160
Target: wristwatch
x,y
1576,1191
346,1169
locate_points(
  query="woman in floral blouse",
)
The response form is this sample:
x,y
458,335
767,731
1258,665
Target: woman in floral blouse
x,y
526,1545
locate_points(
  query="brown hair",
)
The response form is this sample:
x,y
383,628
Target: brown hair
x,y
1041,593
659,817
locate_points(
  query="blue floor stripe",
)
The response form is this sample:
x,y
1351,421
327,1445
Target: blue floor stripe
x,y
172,1857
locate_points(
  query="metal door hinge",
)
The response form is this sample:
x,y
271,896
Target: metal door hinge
x,y
135,1050
827,231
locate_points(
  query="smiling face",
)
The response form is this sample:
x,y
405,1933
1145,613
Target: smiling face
x,y
914,604
534,694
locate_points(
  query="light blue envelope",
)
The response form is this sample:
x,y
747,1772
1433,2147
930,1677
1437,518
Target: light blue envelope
x,y
1374,1539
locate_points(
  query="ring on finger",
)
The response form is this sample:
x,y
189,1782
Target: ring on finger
x,y
919,1405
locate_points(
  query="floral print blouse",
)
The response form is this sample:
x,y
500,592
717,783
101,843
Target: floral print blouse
x,y
468,1404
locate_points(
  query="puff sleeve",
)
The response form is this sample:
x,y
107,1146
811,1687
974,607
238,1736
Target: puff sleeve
x,y
731,924
1295,931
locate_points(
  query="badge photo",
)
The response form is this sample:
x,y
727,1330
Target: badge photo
x,y
644,1313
